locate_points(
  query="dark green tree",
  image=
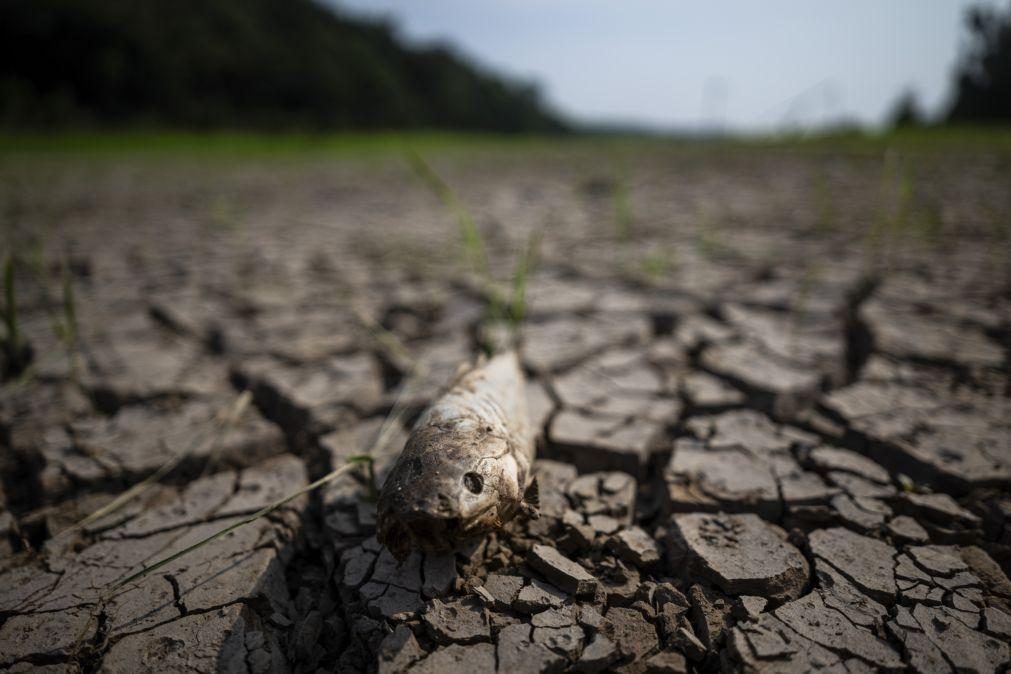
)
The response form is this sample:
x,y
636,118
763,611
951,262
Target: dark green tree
x,y
983,78
907,111
247,63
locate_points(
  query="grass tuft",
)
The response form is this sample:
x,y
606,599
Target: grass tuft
x,y
473,244
658,263
525,266
623,217
708,238
824,219
499,309
67,329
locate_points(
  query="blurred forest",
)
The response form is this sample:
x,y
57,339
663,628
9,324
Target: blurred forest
x,y
296,64
983,81
240,63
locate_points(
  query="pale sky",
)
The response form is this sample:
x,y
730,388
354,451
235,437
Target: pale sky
x,y
743,65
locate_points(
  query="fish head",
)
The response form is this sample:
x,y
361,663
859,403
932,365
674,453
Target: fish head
x,y
452,482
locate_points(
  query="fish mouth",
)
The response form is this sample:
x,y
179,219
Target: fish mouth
x,y
430,533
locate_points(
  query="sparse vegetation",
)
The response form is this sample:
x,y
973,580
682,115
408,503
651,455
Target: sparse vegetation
x,y
624,220
658,263
66,329
526,264
824,219
16,353
297,64
708,238
500,310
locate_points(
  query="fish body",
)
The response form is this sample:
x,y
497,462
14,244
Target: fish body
x,y
465,469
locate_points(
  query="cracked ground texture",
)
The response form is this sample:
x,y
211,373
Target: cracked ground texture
x,y
771,391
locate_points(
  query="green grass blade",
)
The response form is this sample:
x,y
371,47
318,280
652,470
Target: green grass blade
x,y
623,218
470,236
525,266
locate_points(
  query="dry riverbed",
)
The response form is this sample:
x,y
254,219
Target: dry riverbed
x,y
771,391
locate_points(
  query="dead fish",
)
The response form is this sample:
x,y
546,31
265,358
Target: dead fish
x,y
465,470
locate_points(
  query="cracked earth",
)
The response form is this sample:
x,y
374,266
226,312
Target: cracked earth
x,y
774,423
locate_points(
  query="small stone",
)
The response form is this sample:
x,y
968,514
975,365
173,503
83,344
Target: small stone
x,y
835,459
439,573
616,482
635,546
987,570
567,641
461,621
940,507
924,656
590,618
749,607
840,594
504,589
666,594
685,639
633,634
907,530
578,534
742,554
518,654
710,615
597,656
810,618
666,662
458,659
538,596
357,566
603,524
856,517
668,620
937,560
620,584
703,478
561,571
500,621
398,651
595,442
396,603
867,562
484,595
306,635
406,574
280,620
965,648
997,622
553,618
854,485
788,388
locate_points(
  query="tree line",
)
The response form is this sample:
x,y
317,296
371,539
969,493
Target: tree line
x,y
241,63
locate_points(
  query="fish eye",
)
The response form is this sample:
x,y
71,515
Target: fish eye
x,y
473,482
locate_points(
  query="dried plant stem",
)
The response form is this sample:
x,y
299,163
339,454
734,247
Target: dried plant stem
x,y
232,416
262,512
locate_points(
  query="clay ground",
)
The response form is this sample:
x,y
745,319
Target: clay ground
x,y
770,384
